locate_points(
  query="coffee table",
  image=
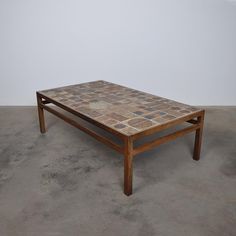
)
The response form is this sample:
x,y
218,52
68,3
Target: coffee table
x,y
124,112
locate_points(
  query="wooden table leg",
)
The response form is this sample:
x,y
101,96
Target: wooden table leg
x,y
41,115
128,166
198,138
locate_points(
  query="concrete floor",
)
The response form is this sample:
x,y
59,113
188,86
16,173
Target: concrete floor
x,y
67,183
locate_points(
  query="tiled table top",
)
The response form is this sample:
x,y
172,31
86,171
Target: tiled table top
x,y
125,110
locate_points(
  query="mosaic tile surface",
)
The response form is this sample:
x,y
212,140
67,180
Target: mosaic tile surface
x,y
126,110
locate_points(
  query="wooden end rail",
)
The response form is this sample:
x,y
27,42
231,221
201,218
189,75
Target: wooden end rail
x,y
164,139
86,130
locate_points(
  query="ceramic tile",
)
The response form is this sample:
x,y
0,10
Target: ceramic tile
x,y
125,110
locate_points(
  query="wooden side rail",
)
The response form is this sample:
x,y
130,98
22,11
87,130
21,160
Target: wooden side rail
x,y
86,130
164,139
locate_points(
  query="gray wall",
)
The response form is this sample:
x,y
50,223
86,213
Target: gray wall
x,y
184,50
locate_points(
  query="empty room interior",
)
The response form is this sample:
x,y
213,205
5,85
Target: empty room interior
x,y
118,118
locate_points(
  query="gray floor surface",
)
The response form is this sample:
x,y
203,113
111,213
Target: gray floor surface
x,y
67,183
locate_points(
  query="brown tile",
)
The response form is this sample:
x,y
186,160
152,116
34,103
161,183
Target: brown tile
x,y
138,112
135,121
118,117
150,109
175,113
154,115
168,117
129,131
185,111
144,124
161,106
111,122
150,116
160,120
176,108
140,123
89,112
102,118
129,115
119,126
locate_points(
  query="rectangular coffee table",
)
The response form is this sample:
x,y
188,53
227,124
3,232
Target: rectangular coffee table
x,y
124,112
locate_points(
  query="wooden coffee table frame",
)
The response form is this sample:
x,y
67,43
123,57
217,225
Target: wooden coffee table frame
x,y
196,119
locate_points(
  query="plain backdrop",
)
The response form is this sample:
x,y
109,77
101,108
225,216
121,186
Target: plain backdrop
x,y
181,49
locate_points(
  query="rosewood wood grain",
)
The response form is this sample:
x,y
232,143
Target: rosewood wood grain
x,y
198,137
128,166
